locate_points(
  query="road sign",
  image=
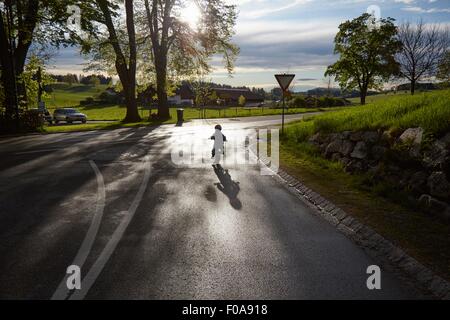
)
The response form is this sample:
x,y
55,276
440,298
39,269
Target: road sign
x,y
284,80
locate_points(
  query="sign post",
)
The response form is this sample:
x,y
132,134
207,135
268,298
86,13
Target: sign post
x,y
284,80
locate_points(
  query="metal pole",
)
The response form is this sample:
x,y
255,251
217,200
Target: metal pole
x,y
282,125
39,78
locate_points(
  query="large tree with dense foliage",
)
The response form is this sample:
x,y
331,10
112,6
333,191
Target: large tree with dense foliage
x,y
367,54
24,24
125,52
185,49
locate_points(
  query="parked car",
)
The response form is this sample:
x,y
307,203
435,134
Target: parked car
x,y
69,115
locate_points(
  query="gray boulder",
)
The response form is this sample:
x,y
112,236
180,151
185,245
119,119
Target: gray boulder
x,y
354,166
378,152
438,208
370,137
446,140
412,139
418,181
356,136
346,147
360,151
345,160
346,135
437,157
412,136
333,147
439,185
316,139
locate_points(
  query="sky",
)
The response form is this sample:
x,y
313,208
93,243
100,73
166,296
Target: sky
x,y
293,36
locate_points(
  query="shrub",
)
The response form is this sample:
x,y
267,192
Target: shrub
x,y
298,102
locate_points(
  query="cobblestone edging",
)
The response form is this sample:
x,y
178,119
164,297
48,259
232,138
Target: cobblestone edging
x,y
374,244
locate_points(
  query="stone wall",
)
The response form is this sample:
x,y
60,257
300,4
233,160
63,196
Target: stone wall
x,y
408,160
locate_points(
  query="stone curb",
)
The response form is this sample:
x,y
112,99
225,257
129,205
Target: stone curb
x,y
373,243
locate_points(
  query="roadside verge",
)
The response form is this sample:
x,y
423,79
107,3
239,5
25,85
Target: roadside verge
x,y
375,245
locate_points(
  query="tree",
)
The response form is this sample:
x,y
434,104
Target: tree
x,y
125,64
277,93
367,54
94,81
175,43
70,78
31,79
423,47
443,73
23,23
213,98
202,92
242,101
329,85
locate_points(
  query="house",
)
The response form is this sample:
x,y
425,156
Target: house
x,y
231,96
184,96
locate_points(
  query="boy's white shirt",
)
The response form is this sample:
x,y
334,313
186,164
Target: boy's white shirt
x,y
218,145
218,141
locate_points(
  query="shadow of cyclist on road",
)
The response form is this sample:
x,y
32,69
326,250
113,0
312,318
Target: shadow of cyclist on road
x,y
229,187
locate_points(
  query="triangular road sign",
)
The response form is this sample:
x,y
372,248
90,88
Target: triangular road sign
x,y
284,80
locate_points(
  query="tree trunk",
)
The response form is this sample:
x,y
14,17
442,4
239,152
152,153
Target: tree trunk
x,y
131,103
161,87
413,87
363,95
128,80
10,93
7,76
127,74
130,86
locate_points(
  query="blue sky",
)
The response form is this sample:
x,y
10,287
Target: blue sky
x,y
292,35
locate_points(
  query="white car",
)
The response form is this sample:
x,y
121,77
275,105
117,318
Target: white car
x,y
69,115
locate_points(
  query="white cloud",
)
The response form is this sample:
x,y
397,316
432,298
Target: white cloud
x,y
423,10
273,7
405,1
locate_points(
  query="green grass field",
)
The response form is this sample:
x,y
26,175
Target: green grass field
x,y
431,111
65,95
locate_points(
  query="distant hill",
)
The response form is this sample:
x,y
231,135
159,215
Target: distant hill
x,y
334,92
321,92
419,86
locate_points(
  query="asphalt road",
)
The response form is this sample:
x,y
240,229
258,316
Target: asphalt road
x,y
142,227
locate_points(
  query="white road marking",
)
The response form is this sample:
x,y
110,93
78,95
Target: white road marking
x,y
100,263
62,292
126,137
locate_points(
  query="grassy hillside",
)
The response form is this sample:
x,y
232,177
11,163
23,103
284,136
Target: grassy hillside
x,y
65,95
431,111
380,97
